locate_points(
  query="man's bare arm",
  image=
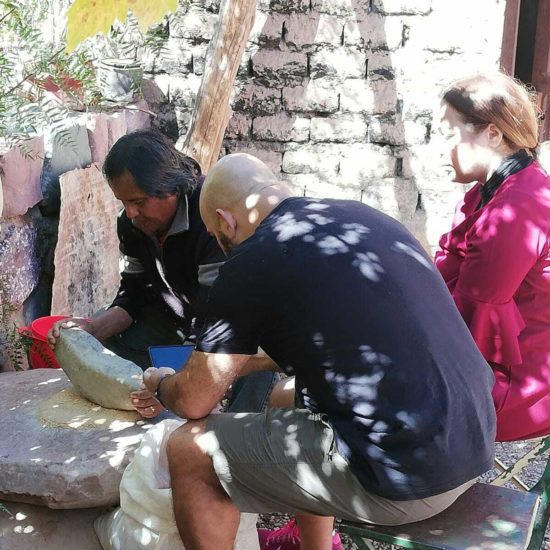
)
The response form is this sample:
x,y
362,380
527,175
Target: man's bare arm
x,y
197,389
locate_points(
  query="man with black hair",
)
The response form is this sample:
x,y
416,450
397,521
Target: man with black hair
x,y
169,261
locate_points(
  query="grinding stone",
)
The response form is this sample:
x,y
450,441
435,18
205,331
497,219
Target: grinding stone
x,y
96,372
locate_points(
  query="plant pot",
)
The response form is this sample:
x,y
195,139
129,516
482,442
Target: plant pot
x,y
119,79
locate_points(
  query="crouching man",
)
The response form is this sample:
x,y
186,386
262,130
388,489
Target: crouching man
x,y
394,417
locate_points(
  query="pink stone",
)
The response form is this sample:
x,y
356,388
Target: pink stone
x,y
98,135
86,255
138,116
20,170
117,127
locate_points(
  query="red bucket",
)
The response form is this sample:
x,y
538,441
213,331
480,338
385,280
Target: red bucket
x,y
41,356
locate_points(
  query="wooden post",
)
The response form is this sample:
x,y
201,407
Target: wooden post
x,y
212,110
510,36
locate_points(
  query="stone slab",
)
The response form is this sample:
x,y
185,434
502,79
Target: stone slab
x,y
97,373
27,526
86,255
61,466
20,169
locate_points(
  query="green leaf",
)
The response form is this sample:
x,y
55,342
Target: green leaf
x,y
86,18
148,12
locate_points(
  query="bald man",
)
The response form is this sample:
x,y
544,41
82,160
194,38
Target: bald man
x,y
394,416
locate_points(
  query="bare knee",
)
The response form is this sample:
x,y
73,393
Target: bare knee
x,y
183,443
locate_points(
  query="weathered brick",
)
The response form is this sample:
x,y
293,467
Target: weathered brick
x,y
340,62
327,189
174,56
238,126
281,127
403,7
258,100
374,32
364,96
302,31
320,95
395,131
343,128
295,184
274,68
268,29
321,186
335,7
308,159
269,153
198,58
283,5
181,91
363,160
197,24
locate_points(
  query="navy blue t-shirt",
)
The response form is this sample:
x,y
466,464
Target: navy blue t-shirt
x,y
343,297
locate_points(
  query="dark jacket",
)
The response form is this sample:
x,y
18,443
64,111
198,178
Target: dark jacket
x,y
176,275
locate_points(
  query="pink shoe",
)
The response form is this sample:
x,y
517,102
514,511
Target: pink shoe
x,y
288,538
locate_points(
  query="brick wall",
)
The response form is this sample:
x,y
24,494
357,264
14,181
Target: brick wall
x,y
338,96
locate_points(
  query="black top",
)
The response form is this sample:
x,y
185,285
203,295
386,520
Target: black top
x,y
176,275
346,299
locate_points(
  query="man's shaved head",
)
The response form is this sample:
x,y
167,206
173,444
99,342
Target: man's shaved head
x,y
232,178
243,187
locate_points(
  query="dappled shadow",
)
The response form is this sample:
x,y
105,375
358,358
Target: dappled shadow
x,y
495,261
59,449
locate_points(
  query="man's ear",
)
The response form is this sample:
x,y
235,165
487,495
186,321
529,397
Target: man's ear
x,y
227,222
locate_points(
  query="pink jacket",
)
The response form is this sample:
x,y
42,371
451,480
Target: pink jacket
x,y
496,263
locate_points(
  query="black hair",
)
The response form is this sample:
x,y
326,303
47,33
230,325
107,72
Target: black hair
x,y
157,167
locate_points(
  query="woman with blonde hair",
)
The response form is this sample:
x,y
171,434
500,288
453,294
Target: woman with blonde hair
x,y
496,258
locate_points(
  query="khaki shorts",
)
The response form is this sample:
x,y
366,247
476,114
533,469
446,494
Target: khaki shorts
x,y
285,460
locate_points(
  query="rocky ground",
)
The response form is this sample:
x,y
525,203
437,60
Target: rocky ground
x,y
506,452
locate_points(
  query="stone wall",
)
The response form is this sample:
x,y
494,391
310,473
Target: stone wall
x,y
337,96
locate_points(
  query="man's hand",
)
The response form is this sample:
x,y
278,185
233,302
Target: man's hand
x,y
144,400
72,322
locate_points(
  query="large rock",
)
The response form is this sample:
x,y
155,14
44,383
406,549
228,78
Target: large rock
x,y
58,451
86,255
20,169
27,526
97,373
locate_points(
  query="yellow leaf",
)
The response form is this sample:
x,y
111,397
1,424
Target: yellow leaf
x,y
85,18
148,12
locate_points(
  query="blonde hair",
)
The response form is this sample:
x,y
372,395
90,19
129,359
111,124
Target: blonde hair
x,y
498,99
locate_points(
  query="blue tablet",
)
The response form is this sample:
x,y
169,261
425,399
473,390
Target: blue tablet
x,y
174,357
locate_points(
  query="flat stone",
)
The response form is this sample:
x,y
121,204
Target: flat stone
x,y
75,464
97,373
86,255
20,169
98,135
27,526
70,147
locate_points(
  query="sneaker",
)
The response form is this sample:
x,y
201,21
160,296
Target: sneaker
x,y
288,538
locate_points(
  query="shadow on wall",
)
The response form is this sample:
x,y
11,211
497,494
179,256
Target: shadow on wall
x,y
318,102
